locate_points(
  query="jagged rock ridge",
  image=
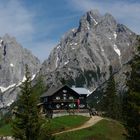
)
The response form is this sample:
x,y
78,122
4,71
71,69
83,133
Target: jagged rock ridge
x,y
13,59
84,54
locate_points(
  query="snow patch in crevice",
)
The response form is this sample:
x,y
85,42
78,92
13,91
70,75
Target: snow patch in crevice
x,y
88,27
11,101
12,65
95,22
110,38
73,30
56,62
66,62
117,50
115,35
58,46
24,79
73,44
1,43
3,89
33,76
102,50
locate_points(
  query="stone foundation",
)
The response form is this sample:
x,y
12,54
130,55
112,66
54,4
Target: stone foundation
x,y
6,138
59,113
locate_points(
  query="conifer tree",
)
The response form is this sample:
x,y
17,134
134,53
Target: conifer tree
x,y
39,87
132,102
27,122
110,100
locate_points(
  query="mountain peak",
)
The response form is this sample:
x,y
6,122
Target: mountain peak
x,y
89,20
93,17
109,17
84,55
94,12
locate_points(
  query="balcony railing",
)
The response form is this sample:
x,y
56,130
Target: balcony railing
x,y
64,100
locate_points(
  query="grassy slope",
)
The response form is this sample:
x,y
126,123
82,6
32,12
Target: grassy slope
x,y
103,130
56,124
5,130
66,122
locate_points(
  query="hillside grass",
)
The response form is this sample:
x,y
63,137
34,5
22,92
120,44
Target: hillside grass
x,y
5,130
55,125
103,130
65,122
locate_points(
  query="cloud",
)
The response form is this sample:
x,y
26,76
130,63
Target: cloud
x,y
15,19
22,23
39,29
126,12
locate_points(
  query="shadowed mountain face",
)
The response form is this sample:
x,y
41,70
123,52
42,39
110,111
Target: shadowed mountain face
x,y
84,54
13,59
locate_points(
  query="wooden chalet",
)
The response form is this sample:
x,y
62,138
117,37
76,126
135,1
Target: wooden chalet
x,y
65,101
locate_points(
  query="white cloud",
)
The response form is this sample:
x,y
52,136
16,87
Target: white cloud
x,y
30,29
18,21
125,11
15,19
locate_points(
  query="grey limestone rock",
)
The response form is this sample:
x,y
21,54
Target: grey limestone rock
x,y
13,58
84,54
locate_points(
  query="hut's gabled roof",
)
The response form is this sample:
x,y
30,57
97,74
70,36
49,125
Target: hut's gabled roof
x,y
81,90
51,91
76,90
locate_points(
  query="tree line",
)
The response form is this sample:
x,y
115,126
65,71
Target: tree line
x,y
125,108
27,123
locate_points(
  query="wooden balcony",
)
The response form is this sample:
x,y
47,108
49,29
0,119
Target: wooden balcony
x,y
64,100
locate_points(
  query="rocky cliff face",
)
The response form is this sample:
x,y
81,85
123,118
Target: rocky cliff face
x,y
84,54
13,59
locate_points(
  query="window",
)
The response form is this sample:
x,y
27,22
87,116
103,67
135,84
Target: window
x,y
64,96
57,106
72,105
64,91
71,98
57,98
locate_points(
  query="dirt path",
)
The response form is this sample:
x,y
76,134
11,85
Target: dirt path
x,y
87,124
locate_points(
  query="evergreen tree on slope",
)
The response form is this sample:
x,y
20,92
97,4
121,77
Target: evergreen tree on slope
x,y
132,107
27,122
111,101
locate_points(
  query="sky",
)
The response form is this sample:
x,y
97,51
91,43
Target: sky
x,y
38,25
